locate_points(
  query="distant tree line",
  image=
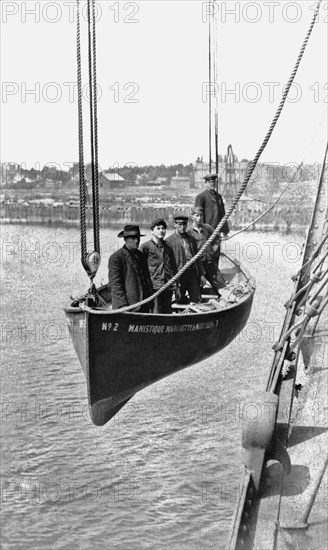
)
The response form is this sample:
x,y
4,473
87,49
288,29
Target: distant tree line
x,y
151,172
266,180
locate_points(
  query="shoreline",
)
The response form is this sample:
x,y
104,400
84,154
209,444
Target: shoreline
x,y
74,224
276,220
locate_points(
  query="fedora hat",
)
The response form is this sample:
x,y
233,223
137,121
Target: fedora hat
x,y
130,231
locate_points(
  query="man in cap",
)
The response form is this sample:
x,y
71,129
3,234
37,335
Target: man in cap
x,y
201,233
212,204
128,274
161,264
184,248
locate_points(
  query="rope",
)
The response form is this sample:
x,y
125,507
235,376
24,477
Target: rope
x,y
157,293
313,278
83,230
91,107
248,175
210,97
95,186
216,110
268,209
313,256
309,312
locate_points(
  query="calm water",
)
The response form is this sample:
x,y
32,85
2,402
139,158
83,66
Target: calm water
x,y
164,472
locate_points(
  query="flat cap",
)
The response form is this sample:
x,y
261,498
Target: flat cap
x,y
180,218
208,177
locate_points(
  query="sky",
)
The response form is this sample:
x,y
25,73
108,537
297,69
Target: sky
x,y
152,73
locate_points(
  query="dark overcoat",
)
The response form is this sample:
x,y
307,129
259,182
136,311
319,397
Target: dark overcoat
x,y
212,204
175,242
128,278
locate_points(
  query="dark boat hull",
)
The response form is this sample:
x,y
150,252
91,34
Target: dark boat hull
x,y
123,353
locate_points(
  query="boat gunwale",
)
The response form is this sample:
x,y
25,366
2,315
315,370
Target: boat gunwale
x,y
249,279
78,309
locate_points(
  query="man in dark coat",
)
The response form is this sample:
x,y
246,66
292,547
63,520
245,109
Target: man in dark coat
x,y
202,232
212,204
184,248
161,264
128,275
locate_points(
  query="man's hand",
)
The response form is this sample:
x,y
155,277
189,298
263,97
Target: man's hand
x,y
203,280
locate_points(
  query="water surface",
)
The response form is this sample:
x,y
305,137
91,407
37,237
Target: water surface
x,y
165,471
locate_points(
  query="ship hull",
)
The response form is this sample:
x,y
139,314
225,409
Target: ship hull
x,y
122,353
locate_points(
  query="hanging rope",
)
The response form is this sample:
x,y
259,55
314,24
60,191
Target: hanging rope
x,y
90,261
91,108
83,230
95,188
216,109
210,96
248,175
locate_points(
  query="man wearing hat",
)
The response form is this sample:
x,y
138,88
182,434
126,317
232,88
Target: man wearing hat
x,y
161,264
184,248
212,204
201,232
128,274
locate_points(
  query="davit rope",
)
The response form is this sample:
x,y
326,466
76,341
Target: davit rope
x,y
90,261
83,230
248,175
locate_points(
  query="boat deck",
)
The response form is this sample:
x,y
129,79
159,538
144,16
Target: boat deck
x,y
285,499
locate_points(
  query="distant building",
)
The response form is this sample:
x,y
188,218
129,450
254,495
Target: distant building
x,y
231,172
162,181
110,180
106,179
201,168
181,182
10,173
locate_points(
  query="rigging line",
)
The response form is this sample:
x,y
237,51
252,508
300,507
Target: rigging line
x,y
264,143
313,278
272,206
95,122
268,210
321,309
216,114
91,101
242,187
257,156
278,199
312,258
83,231
306,264
306,315
210,95
216,110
